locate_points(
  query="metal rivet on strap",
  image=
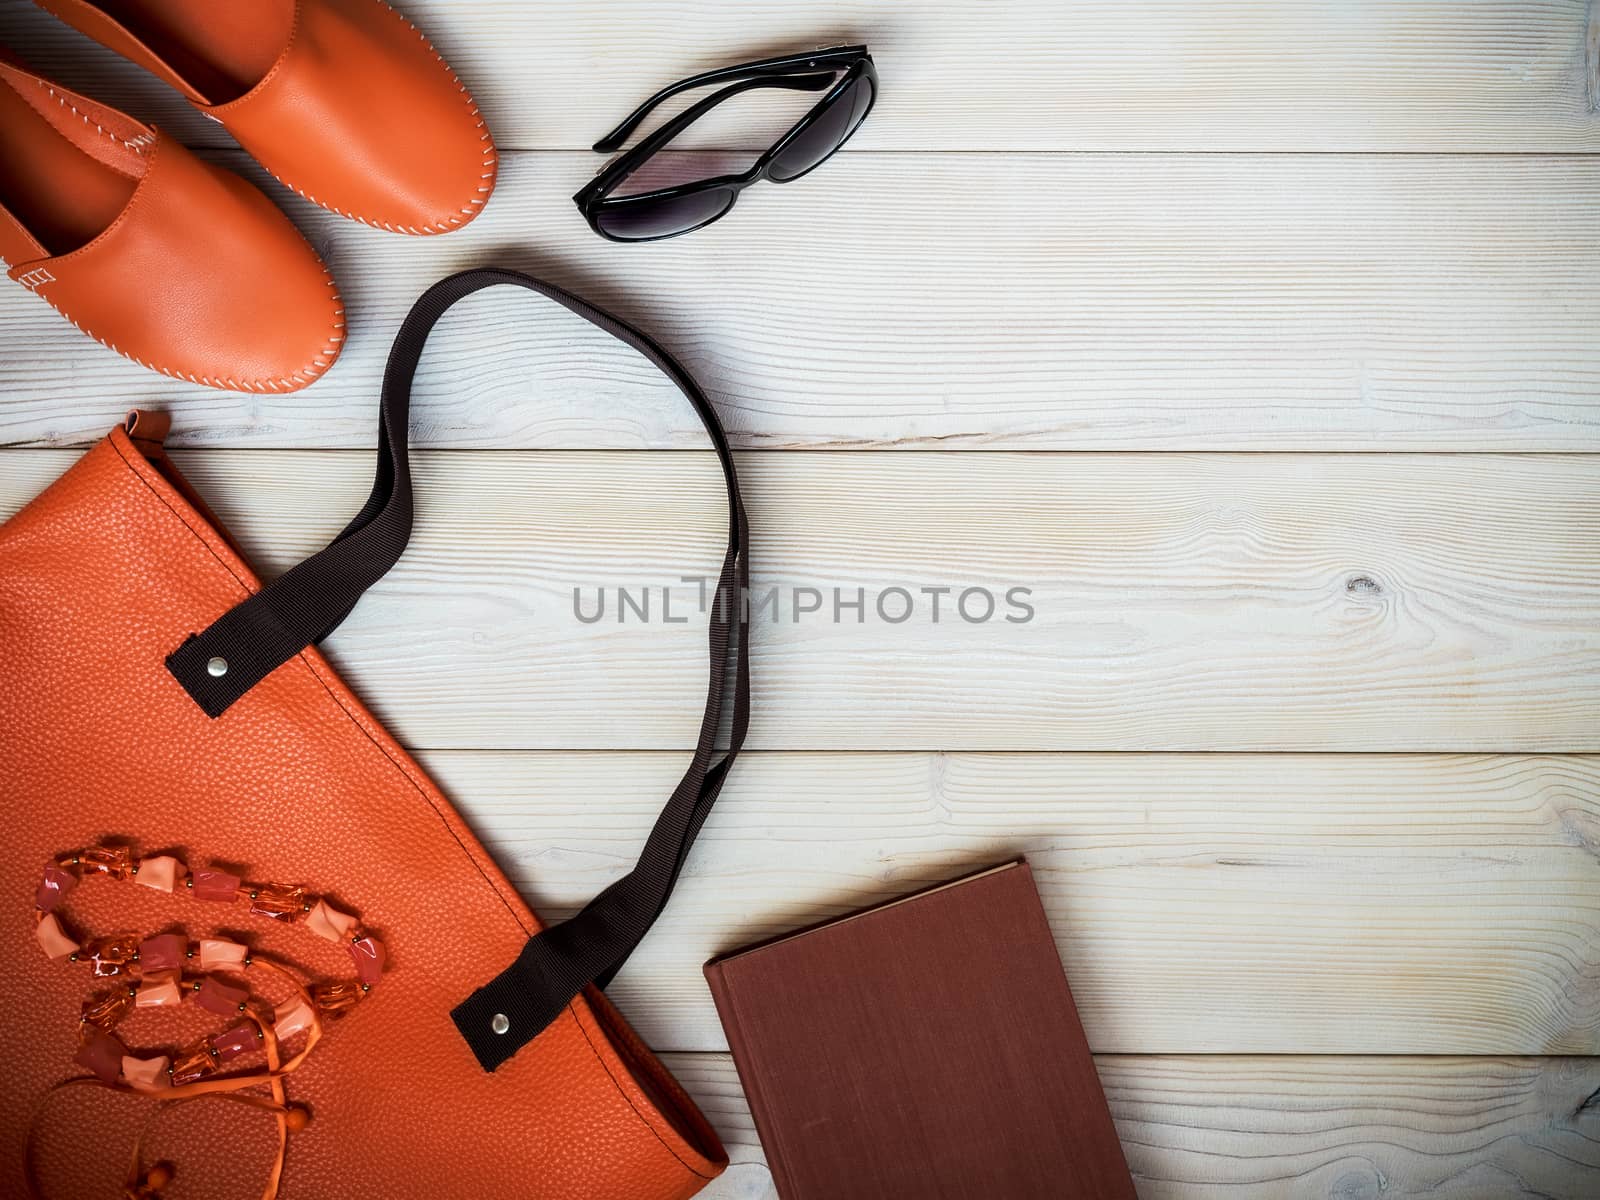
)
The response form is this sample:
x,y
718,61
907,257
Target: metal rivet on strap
x,y
501,1023
217,667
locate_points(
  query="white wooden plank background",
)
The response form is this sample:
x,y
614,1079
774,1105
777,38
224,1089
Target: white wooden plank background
x,y
1135,302
1206,602
1256,903
1349,229
1472,76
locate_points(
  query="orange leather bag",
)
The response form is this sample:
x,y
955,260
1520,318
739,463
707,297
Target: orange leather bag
x,y
153,695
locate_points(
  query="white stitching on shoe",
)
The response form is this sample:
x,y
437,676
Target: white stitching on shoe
x,y
35,279
138,143
490,161
304,376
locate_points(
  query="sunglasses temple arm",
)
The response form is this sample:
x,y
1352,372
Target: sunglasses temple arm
x,y
629,162
755,70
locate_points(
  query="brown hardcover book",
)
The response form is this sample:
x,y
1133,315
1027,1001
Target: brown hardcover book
x,y
924,1049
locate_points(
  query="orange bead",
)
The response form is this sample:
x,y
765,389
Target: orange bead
x,y
217,886
146,1074
115,861
336,997
157,1177
161,872
52,939
53,887
291,1017
100,1053
219,954
194,1063
112,956
241,1039
159,993
164,952
296,1118
224,999
280,901
106,1009
326,921
368,954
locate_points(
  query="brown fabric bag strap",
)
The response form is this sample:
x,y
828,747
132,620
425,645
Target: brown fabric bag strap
x,y
221,664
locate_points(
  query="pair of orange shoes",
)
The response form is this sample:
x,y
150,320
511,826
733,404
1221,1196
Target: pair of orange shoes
x,y
186,268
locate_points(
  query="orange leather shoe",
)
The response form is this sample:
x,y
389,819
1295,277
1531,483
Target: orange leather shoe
x,y
343,100
181,266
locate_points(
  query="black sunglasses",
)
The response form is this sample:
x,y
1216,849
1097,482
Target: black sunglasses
x,y
667,212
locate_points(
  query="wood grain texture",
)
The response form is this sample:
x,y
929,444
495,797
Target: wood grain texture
x,y
958,301
1206,602
1201,902
940,287
1298,1128
1488,75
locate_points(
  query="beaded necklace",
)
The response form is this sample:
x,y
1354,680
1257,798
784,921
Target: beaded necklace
x,y
212,973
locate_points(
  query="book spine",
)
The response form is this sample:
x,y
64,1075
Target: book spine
x,y
766,1125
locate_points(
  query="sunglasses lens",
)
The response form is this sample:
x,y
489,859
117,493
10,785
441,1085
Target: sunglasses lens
x,y
644,220
825,134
